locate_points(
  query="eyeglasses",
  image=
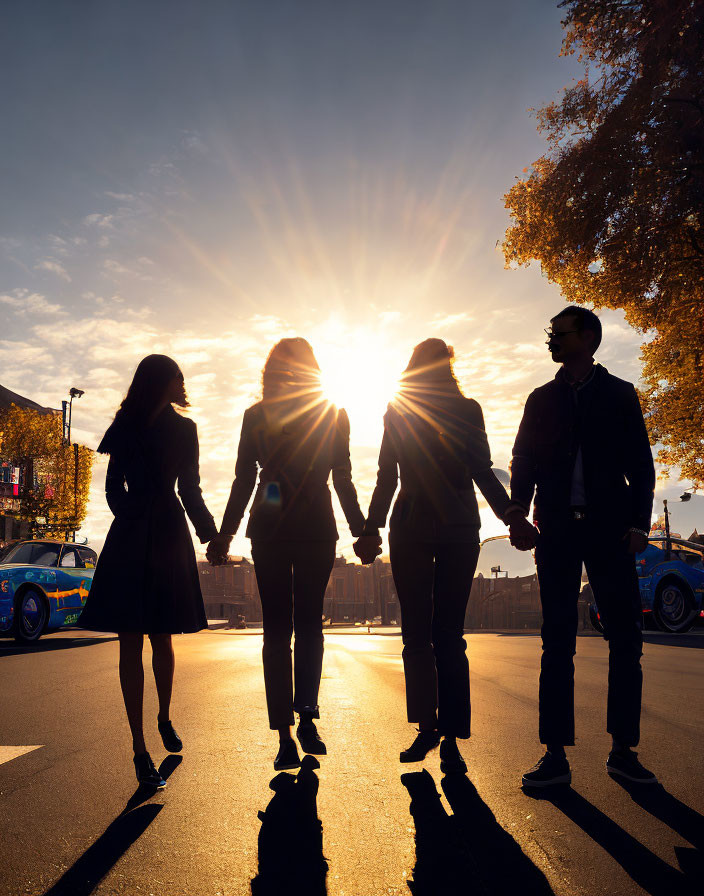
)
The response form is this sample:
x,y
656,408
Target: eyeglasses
x,y
553,334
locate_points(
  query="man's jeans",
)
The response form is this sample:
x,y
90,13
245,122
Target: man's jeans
x,y
564,544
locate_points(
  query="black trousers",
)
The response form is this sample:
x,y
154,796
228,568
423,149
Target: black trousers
x,y
562,547
433,582
292,577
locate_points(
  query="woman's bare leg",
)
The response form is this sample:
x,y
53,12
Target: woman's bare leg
x,y
132,684
163,663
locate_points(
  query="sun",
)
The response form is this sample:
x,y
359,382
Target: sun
x,y
360,372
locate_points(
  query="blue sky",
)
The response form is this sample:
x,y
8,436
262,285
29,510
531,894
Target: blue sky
x,y
203,178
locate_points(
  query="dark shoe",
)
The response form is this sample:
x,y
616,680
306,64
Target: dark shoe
x,y
287,757
421,746
172,742
624,763
548,771
451,761
309,739
146,771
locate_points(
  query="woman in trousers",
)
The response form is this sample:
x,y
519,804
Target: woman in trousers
x,y
146,579
434,438
295,439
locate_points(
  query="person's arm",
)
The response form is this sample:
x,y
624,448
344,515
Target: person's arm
x,y
190,493
523,466
245,479
480,464
640,469
115,492
386,482
342,475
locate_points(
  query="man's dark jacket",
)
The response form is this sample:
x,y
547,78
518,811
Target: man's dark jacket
x,y
607,422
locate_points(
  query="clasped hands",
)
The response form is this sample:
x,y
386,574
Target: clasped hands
x,y
368,547
522,534
217,550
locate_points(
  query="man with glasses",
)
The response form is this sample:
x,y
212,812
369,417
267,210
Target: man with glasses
x,y
582,447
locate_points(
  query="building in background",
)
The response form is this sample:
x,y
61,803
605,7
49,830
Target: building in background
x,y
19,473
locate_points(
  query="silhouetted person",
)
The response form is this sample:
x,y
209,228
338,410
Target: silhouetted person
x,y
582,447
151,448
295,439
434,438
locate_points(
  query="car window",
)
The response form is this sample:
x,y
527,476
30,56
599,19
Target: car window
x,y
88,556
70,558
34,553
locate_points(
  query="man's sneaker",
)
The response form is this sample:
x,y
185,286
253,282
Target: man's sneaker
x,y
548,771
624,763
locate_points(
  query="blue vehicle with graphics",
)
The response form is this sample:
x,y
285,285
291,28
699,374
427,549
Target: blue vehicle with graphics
x,y
43,586
671,580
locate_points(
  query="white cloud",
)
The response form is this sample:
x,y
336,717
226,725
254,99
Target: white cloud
x,y
99,220
33,303
54,266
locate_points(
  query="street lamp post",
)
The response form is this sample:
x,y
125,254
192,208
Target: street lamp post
x,y
73,393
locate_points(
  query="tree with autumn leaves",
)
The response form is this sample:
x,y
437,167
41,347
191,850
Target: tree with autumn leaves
x,y
57,475
614,211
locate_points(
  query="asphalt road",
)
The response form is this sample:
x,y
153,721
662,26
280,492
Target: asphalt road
x,y
71,822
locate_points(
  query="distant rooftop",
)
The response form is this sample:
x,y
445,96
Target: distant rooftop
x,y
8,398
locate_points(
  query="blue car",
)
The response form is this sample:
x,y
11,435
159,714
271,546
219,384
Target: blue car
x,y
671,585
43,586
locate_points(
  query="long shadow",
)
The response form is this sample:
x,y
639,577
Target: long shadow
x,y
86,872
646,869
678,816
12,649
468,852
291,837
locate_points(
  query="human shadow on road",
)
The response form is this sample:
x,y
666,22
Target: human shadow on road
x,y
291,837
10,648
678,816
86,872
467,852
646,869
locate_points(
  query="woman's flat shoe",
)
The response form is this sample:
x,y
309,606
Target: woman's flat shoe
x,y
287,757
451,761
147,772
421,746
172,742
309,739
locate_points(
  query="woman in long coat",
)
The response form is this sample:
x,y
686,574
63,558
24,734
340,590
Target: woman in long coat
x,y
146,579
294,439
434,438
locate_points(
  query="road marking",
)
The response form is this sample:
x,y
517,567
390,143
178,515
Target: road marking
x,y
8,753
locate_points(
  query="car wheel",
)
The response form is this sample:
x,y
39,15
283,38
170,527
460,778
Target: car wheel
x,y
673,608
31,616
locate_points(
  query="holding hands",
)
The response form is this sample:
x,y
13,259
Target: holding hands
x,y
216,552
522,534
368,547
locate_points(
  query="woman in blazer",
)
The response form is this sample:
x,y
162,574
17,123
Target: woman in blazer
x,y
294,439
151,448
434,438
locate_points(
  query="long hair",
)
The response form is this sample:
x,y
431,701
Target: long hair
x,y
429,373
291,372
148,387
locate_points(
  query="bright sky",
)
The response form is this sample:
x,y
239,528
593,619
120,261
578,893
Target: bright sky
x,y
202,179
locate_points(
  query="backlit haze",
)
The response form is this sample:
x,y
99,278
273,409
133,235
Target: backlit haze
x,y
203,179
